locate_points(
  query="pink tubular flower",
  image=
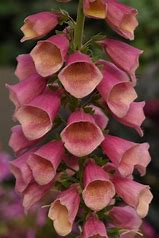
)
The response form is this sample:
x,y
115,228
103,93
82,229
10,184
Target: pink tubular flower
x,y
95,8
125,217
82,135
21,171
100,118
127,155
121,18
116,89
34,193
80,76
94,228
123,55
44,161
37,116
49,55
25,67
26,90
134,117
18,142
98,189
134,194
64,210
38,25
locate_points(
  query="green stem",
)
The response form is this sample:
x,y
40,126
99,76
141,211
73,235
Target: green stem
x,y
78,34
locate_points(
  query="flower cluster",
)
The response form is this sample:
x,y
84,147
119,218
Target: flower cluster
x,y
64,100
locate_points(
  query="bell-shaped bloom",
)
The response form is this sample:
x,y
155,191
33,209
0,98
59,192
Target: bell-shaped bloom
x,y
94,228
129,61
49,55
80,76
37,116
64,210
34,193
25,67
44,161
116,89
121,18
126,155
38,25
134,117
134,194
95,8
125,217
20,169
82,135
18,142
26,90
100,117
98,189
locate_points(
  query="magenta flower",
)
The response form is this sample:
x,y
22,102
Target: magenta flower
x,y
116,89
81,136
21,171
134,117
44,161
34,193
25,67
37,117
98,189
134,194
94,228
49,55
24,91
121,18
80,76
123,55
127,155
18,142
38,25
125,217
64,210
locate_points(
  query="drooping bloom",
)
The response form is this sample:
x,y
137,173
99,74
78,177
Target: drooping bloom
x,y
64,210
38,25
37,116
26,90
95,8
116,89
82,135
123,55
94,228
125,217
18,142
34,193
49,55
44,161
121,18
134,194
126,155
80,76
98,189
21,171
25,67
134,117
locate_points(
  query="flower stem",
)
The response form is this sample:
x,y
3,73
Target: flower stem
x,y
78,34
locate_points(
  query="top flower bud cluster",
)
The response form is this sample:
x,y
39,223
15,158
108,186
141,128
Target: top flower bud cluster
x,y
58,76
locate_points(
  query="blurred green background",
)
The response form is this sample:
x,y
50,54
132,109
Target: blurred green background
x,y
12,14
